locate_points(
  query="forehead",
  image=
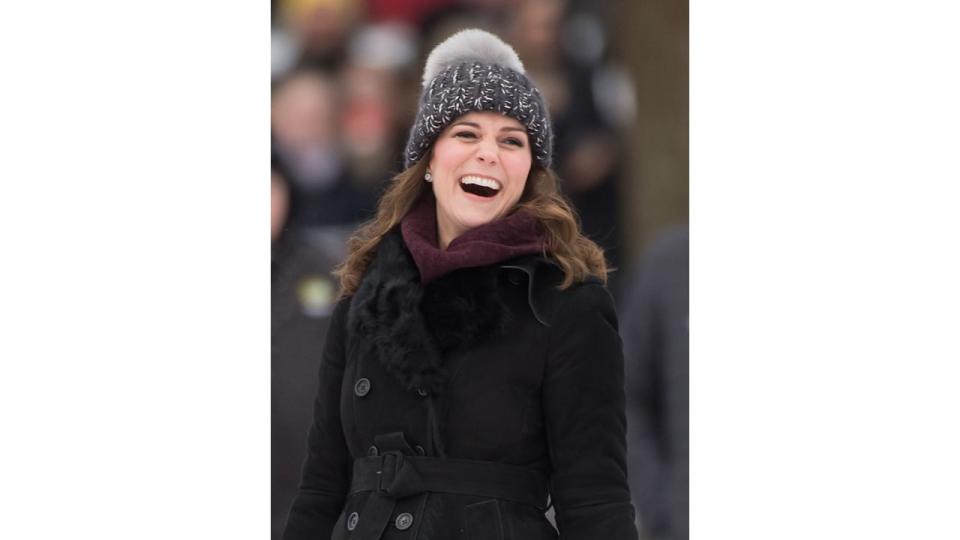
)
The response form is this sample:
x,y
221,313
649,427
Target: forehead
x,y
491,120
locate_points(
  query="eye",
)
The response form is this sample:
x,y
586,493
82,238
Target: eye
x,y
465,134
514,142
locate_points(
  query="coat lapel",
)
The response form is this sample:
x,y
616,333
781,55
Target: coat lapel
x,y
385,316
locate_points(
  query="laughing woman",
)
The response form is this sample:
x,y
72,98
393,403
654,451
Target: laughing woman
x,y
473,373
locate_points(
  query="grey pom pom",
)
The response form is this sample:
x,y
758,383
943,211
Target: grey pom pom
x,y
470,45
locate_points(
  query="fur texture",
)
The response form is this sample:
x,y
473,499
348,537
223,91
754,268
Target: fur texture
x,y
464,308
409,329
470,45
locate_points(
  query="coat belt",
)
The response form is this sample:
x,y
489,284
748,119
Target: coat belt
x,y
396,476
393,475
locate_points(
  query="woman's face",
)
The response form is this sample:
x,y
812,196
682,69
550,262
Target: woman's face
x,y
479,165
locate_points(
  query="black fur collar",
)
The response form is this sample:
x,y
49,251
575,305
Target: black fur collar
x,y
410,328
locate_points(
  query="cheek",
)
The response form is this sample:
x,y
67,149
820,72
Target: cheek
x,y
519,171
447,156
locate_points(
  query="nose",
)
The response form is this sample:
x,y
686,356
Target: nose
x,y
487,152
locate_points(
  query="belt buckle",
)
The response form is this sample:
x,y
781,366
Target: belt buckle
x,y
389,465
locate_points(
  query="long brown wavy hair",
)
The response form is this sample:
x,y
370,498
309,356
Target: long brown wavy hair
x,y
578,256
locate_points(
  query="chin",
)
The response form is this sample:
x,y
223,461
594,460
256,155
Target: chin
x,y
473,221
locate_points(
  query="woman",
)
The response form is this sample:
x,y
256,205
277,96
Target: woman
x,y
473,366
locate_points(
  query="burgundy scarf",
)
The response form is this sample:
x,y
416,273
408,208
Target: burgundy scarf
x,y
508,237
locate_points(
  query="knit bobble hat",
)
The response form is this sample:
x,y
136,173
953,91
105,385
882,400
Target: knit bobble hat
x,y
475,71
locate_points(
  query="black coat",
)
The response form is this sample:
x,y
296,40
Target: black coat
x,y
433,400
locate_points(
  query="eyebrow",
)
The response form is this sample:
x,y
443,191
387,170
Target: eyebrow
x,y
476,125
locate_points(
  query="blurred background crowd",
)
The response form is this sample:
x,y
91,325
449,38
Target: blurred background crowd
x,y
345,82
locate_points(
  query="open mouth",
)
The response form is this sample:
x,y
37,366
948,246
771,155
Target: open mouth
x,y
479,186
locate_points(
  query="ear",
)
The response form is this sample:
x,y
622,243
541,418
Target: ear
x,y
428,158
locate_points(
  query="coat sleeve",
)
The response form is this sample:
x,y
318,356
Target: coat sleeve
x,y
584,412
326,472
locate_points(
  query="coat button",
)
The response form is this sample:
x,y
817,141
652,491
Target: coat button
x,y
352,521
514,277
422,392
420,451
373,451
362,387
404,521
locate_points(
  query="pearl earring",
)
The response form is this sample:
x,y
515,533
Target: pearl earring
x,y
428,177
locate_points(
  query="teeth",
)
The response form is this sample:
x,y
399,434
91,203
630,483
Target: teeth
x,y
485,182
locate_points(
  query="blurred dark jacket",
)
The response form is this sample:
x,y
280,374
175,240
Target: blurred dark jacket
x,y
656,356
302,298
528,399
337,200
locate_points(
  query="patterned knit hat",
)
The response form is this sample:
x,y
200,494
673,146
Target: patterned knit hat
x,y
474,71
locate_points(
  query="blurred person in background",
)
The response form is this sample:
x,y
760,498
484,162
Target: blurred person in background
x,y
379,61
563,45
314,32
405,11
302,296
473,366
656,356
307,139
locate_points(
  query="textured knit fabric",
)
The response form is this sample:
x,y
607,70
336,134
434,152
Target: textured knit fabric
x,y
506,238
477,87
